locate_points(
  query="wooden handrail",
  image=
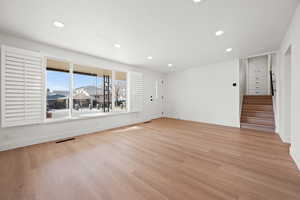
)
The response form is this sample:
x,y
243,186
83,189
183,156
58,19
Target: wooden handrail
x,y
271,79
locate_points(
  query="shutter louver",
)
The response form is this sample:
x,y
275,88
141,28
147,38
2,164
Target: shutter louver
x,y
22,87
136,92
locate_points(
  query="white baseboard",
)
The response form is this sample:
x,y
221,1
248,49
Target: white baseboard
x,y
295,156
65,134
283,138
206,122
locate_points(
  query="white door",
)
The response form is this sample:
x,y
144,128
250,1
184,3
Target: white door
x,y
153,98
160,98
258,76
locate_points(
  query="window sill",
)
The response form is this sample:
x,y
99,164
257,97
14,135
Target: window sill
x,y
87,116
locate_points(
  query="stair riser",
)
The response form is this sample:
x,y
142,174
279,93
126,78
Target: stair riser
x,y
257,128
258,115
258,107
247,109
268,112
258,121
258,97
258,102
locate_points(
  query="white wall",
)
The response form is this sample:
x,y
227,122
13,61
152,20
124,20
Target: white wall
x,y
286,96
205,94
242,81
292,39
32,134
276,101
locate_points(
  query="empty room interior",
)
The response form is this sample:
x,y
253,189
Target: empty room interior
x,y
150,100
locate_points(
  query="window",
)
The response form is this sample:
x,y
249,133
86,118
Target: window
x,y
92,90
22,87
31,94
58,89
80,91
120,91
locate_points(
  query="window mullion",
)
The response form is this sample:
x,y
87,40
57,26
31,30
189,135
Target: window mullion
x,y
128,88
113,98
71,86
45,92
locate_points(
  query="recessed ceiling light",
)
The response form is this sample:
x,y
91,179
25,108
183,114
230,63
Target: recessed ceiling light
x,y
117,45
170,65
197,1
58,24
219,33
149,58
229,49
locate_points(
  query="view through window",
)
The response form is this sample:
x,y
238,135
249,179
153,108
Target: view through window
x,y
58,89
89,91
120,91
92,90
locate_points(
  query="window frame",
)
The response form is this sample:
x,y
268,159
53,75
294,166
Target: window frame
x,y
71,88
127,90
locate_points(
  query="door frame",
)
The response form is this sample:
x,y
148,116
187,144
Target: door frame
x,y
269,60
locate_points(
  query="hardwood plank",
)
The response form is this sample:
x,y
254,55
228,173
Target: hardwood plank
x,y
164,159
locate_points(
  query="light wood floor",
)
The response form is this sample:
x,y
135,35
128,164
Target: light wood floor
x,y
164,159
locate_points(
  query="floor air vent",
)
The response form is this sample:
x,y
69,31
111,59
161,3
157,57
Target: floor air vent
x,y
64,140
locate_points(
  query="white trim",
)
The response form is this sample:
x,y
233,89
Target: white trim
x,y
247,76
127,92
84,64
283,138
82,117
128,98
44,99
260,54
2,72
275,113
52,138
241,108
295,156
62,135
156,89
23,52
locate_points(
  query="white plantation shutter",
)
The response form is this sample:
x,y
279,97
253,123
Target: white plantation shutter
x,y
22,87
136,91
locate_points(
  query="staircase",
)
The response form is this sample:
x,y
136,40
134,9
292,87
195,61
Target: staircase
x,y
257,113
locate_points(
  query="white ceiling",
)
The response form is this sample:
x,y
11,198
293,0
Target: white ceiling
x,y
171,31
